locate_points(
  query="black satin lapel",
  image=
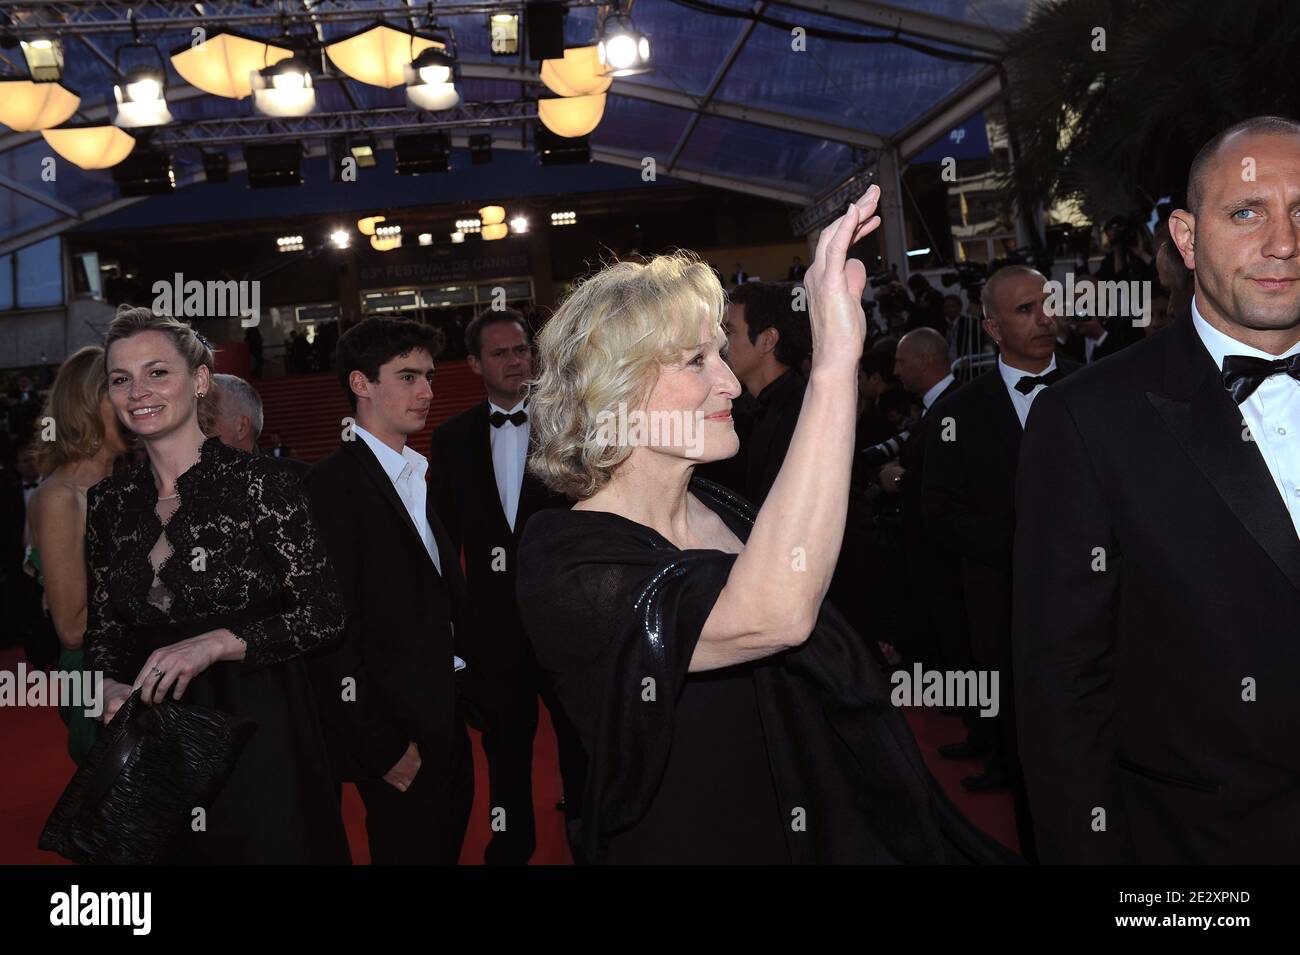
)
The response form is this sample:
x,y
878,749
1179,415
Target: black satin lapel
x,y
1210,428
375,472
484,471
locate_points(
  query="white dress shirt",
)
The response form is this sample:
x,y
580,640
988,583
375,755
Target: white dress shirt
x,y
509,452
1272,412
1022,402
407,472
931,396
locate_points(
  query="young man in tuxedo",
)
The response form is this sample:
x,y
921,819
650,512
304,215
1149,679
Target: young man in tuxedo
x,y
1157,562
387,692
968,491
484,496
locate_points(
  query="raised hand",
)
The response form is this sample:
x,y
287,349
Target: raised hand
x,y
835,284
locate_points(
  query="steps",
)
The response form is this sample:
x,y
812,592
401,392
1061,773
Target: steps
x,y
307,411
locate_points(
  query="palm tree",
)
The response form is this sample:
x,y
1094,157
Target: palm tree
x,y
1117,129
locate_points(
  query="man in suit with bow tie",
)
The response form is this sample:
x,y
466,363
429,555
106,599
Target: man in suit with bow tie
x,y
968,491
387,693
1157,562
484,494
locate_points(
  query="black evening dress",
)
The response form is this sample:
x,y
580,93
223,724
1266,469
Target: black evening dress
x,y
798,758
244,556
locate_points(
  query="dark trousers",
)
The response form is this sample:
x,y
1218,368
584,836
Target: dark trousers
x,y
426,824
507,707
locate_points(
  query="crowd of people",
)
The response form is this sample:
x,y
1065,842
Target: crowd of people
x,y
1106,517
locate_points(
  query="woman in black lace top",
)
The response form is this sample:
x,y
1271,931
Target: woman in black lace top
x,y
208,583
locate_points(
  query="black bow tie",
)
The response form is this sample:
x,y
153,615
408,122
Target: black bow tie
x,y
28,487
1242,374
498,418
1028,383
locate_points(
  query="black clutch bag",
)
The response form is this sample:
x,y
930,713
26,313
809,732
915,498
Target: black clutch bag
x,y
132,800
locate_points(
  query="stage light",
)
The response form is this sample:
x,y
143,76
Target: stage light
x,y
289,243
145,173
457,237
223,64
378,55
367,225
417,153
284,89
571,116
430,81
493,232
363,151
341,238
469,225
577,74
480,149
141,100
388,231
492,215
385,243
426,238
273,164
503,29
90,147
26,106
44,59
518,225
564,218
622,51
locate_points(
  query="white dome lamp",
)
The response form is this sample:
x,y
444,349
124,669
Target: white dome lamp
x,y
284,88
430,81
621,49
142,93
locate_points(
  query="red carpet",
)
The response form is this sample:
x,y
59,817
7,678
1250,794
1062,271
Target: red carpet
x,y
36,768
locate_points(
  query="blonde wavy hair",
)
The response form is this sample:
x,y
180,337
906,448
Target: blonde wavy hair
x,y
603,347
193,349
73,405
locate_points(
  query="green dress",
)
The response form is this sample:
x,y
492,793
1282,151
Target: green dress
x,y
82,729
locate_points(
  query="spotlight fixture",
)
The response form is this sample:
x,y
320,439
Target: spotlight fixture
x,y
503,28
44,59
492,215
468,225
518,225
90,147
622,51
388,231
340,238
564,218
216,167
430,81
27,106
480,149
141,99
367,225
417,153
571,116
426,238
385,243
224,63
553,150
289,243
577,74
284,89
273,164
145,172
362,149
378,55
493,232
457,237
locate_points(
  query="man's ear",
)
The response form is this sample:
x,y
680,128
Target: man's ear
x,y
474,363
1182,226
991,329
768,339
359,384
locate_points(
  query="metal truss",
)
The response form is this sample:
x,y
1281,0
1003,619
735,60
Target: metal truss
x,y
255,129
43,18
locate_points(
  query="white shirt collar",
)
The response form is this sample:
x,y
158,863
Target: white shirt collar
x,y
392,462
1220,345
1012,375
931,396
493,406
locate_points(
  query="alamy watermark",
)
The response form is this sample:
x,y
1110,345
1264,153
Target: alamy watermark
x,y
75,688
660,429
959,688
212,299
1099,298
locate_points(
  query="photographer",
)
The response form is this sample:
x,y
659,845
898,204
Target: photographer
x,y
1129,258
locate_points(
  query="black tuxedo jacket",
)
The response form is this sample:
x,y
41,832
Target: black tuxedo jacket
x,y
1162,687
400,616
463,489
968,501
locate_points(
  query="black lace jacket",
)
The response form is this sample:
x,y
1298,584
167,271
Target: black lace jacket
x,y
245,556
